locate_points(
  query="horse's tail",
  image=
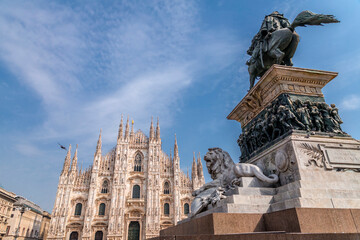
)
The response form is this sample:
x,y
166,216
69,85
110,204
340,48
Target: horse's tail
x,y
309,18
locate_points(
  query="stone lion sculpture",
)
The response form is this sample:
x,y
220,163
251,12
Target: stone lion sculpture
x,y
225,174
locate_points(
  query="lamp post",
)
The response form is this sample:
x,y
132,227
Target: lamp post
x,y
22,209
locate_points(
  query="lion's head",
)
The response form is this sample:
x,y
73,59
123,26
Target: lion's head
x,y
217,161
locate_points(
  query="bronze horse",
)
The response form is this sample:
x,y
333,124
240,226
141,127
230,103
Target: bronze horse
x,y
282,44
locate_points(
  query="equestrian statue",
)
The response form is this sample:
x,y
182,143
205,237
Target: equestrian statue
x,y
277,40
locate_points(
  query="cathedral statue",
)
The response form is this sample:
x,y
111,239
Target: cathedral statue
x,y
276,41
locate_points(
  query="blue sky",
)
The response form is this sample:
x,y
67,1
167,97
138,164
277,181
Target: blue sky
x,y
69,68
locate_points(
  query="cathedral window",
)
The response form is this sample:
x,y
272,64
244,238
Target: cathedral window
x,y
105,186
136,191
99,235
74,236
166,188
186,209
78,209
102,209
166,209
137,163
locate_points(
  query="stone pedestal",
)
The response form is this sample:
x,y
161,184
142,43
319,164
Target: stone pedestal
x,y
318,193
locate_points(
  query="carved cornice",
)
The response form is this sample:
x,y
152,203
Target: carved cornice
x,y
276,81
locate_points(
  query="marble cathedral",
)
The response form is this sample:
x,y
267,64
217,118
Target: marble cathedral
x,y
131,192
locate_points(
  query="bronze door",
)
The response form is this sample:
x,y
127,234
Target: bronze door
x,y
134,231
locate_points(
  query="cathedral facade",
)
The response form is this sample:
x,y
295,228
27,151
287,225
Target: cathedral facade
x,y
131,193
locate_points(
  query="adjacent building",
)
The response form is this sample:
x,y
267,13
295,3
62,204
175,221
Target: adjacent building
x,y
131,192
7,199
27,221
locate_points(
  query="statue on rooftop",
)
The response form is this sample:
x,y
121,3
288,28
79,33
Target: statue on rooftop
x,y
276,41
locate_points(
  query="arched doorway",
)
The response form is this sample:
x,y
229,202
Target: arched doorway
x,y
99,235
134,231
74,236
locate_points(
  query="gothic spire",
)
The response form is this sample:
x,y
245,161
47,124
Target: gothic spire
x,y
98,146
171,158
132,128
67,161
200,168
127,129
120,134
157,130
74,161
194,170
176,150
152,134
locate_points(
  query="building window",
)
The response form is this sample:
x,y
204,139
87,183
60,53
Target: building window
x,y
105,186
166,188
74,236
99,235
136,191
7,230
78,209
186,209
166,209
23,232
137,163
102,209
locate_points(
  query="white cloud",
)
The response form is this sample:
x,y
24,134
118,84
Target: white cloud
x,y
28,150
351,102
90,65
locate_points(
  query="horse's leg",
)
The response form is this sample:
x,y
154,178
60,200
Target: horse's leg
x,y
252,74
290,50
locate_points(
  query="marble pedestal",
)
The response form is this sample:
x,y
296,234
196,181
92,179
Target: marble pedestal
x,y
318,193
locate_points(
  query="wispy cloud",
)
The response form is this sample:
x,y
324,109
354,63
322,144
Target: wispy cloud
x,y
351,102
89,65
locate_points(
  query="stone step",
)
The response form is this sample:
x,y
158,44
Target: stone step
x,y
252,199
317,193
248,191
319,185
346,203
246,208
302,202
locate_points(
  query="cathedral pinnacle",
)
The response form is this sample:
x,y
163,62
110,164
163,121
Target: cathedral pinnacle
x,y
67,161
152,133
176,150
157,130
200,168
194,170
127,129
132,127
74,161
120,135
98,146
